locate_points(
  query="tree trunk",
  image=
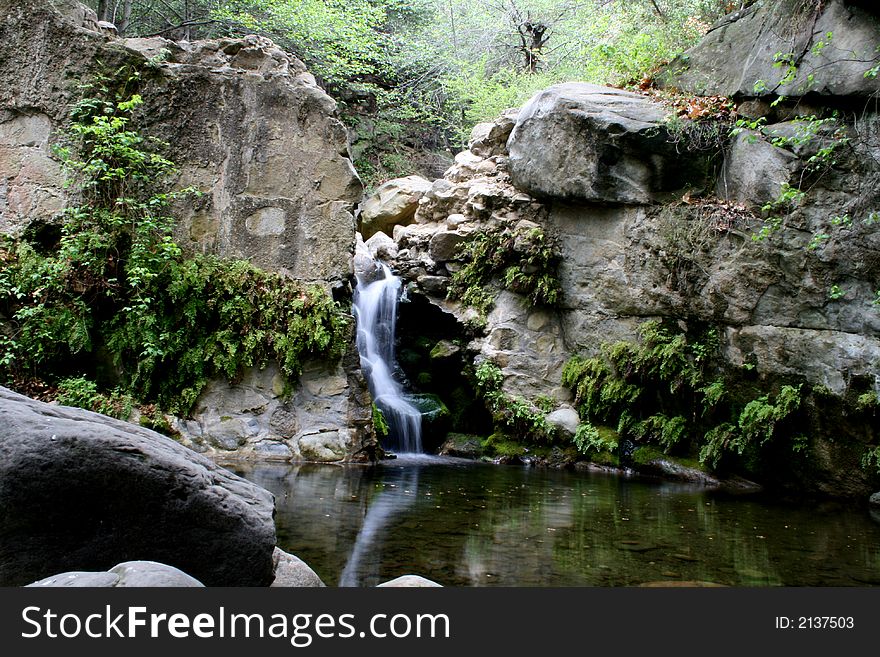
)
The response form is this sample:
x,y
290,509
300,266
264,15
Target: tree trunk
x,y
533,42
105,8
187,33
122,26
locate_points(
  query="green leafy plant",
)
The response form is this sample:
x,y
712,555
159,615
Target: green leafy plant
x,y
513,416
836,293
81,392
522,260
379,423
663,391
590,439
116,282
871,459
868,401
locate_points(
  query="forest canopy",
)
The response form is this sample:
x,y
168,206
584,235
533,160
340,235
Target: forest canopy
x,y
413,76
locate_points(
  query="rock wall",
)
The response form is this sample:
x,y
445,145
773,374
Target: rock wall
x,y
245,122
588,165
247,125
325,417
742,48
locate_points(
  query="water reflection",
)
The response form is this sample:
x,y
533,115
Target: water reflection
x,y
469,524
362,566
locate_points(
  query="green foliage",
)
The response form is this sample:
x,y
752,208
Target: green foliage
x,y
661,392
667,431
868,401
340,41
871,459
758,419
513,416
207,317
522,260
824,138
545,403
835,292
590,439
117,281
81,392
379,423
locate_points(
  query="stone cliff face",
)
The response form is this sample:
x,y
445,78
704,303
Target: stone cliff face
x,y
245,122
248,126
640,240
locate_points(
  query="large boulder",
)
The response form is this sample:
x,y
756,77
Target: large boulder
x,y
581,142
81,491
741,50
393,203
247,125
125,575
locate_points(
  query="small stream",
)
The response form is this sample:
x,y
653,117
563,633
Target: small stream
x,y
462,523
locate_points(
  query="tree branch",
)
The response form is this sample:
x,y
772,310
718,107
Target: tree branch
x,y
184,24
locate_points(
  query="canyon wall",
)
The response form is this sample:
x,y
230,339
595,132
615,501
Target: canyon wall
x,y
248,126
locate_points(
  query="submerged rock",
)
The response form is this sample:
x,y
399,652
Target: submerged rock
x,y
435,418
79,490
462,445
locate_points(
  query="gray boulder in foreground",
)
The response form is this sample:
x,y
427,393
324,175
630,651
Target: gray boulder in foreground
x,y
124,575
82,491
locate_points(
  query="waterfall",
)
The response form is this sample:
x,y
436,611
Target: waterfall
x,y
375,309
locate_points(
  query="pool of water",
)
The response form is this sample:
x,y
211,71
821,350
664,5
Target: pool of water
x,y
462,523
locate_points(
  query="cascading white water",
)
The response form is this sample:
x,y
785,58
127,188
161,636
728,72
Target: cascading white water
x,y
375,309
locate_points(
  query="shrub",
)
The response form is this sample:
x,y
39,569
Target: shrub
x,y
116,281
663,391
522,260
